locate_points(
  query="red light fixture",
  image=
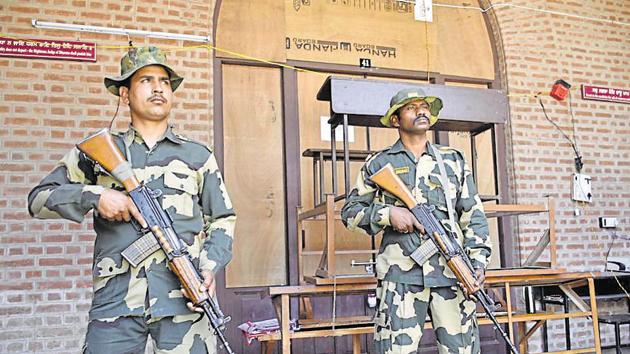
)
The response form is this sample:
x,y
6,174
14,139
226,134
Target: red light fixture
x,y
560,90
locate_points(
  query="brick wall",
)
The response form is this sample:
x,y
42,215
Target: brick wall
x,y
539,48
45,107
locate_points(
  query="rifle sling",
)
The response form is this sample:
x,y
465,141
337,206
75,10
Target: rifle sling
x,y
444,181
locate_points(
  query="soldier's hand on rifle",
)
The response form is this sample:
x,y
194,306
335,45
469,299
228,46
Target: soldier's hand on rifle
x,y
402,220
117,206
208,284
480,274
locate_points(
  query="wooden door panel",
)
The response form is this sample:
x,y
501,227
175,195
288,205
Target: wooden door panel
x,y
252,111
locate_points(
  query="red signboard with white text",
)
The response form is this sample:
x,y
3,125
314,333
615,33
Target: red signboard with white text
x,y
610,94
47,49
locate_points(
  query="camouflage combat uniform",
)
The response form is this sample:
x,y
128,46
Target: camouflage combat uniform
x,y
126,299
406,291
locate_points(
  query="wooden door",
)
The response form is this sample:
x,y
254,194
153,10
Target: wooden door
x,y
252,106
254,176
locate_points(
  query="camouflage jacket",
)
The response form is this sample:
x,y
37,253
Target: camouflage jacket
x,y
367,210
194,195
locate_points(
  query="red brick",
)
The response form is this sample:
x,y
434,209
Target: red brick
x,y
54,262
21,98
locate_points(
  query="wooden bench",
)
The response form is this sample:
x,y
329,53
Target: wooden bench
x,y
506,279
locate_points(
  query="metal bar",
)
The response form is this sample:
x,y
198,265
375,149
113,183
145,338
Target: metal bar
x,y
333,155
346,156
120,31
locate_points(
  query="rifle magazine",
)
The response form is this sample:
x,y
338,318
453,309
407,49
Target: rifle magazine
x,y
426,250
140,249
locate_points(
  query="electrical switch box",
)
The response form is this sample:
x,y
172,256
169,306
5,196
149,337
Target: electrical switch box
x,y
607,223
582,188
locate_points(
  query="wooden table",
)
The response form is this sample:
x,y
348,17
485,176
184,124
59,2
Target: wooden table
x,y
507,279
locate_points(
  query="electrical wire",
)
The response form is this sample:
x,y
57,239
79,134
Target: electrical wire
x,y
493,6
577,153
182,48
614,236
573,122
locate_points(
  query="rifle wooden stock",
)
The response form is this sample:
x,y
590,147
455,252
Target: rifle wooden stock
x,y
189,278
389,181
463,275
101,148
183,268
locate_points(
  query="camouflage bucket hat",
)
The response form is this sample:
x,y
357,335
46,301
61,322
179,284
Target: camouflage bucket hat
x,y
136,59
407,95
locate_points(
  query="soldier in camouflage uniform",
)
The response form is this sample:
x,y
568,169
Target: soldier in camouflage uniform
x,y
408,291
131,302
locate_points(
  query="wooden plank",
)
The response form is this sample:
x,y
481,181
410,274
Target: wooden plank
x,y
516,277
533,330
318,333
257,191
494,274
543,242
316,211
308,324
574,297
323,289
537,279
318,253
300,250
366,29
472,56
498,210
528,317
349,279
369,328
508,300
591,292
285,324
255,28
573,351
356,344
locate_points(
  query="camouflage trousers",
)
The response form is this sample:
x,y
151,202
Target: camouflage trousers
x,y
169,335
402,312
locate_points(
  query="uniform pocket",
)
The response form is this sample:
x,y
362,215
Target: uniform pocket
x,y
105,284
184,188
183,180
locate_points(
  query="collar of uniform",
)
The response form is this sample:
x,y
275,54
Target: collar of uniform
x,y
132,133
431,151
170,135
400,147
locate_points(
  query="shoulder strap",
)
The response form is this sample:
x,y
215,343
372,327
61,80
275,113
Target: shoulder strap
x,y
444,180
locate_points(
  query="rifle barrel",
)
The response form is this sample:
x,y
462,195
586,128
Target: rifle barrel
x,y
497,326
212,319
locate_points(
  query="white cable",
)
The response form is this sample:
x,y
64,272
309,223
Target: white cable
x,y
596,19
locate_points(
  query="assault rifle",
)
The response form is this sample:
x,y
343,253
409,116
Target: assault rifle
x,y
101,148
456,259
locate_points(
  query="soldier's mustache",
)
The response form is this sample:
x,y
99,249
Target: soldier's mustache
x,y
421,116
157,97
